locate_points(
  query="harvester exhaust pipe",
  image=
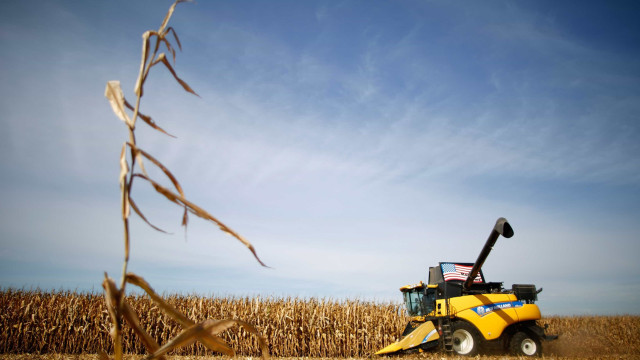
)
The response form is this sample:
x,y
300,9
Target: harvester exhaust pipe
x,y
503,228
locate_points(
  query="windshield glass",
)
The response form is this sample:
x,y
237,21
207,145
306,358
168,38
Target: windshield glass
x,y
418,303
413,302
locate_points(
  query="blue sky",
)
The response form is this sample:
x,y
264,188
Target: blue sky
x,y
354,143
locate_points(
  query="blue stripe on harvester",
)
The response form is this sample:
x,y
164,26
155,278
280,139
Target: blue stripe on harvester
x,y
487,309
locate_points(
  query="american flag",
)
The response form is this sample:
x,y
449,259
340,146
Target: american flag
x,y
452,271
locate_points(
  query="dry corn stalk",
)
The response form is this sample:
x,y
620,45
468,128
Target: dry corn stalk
x,y
119,310
65,322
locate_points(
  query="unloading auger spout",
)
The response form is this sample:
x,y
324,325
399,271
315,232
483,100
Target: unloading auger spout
x,y
503,228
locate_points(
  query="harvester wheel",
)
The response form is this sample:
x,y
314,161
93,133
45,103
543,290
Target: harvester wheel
x,y
523,344
465,339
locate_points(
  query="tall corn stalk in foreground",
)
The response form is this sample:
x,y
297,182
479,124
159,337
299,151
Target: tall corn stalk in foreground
x,y
119,310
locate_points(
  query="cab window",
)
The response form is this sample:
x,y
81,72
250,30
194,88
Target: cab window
x,y
419,302
413,302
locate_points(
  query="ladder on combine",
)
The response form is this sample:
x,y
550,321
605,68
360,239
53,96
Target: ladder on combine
x,y
447,331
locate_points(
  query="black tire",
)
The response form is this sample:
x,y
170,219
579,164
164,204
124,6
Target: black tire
x,y
466,339
524,344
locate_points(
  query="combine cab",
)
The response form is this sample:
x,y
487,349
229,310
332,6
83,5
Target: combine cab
x,y
458,311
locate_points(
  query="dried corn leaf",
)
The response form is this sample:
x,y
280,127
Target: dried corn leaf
x,y
155,49
103,355
132,319
164,169
142,77
137,211
124,166
185,338
175,36
147,119
113,92
112,297
195,209
168,16
143,62
140,282
136,155
217,326
192,333
215,343
169,48
124,186
205,215
127,245
211,341
162,57
124,201
150,122
185,218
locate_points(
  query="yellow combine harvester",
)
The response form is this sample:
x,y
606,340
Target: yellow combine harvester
x,y
459,311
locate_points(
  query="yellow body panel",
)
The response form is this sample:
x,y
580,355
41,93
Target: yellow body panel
x,y
491,313
529,312
422,334
412,286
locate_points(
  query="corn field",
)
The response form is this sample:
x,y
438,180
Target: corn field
x,y
68,323
36,322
